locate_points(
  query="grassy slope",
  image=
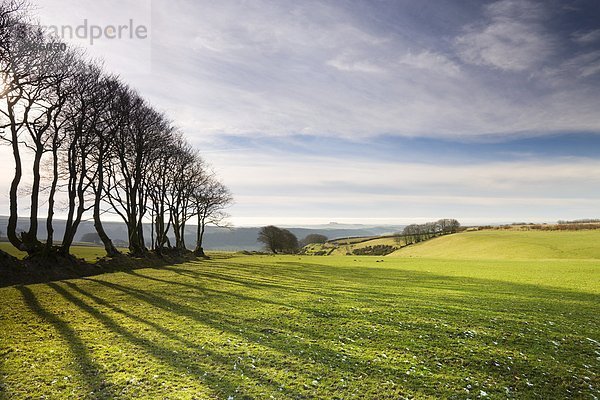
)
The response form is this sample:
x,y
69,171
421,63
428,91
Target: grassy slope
x,y
494,244
341,247
305,327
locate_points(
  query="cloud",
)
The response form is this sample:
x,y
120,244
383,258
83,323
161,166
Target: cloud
x,y
584,65
431,61
305,175
512,38
286,186
304,70
347,63
586,37
281,69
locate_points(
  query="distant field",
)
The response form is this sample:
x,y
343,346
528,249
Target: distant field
x,y
342,247
495,244
353,240
242,327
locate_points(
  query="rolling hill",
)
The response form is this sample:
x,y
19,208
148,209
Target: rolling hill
x,y
509,245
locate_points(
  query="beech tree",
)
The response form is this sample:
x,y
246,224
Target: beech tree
x,y
96,142
22,70
210,198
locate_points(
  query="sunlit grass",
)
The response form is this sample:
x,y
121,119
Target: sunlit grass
x,y
510,244
308,327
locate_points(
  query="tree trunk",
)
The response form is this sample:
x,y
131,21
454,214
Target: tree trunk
x,y
176,231
11,229
111,250
183,246
30,239
199,251
72,228
50,217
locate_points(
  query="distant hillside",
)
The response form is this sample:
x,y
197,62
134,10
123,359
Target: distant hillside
x,y
495,244
216,238
369,245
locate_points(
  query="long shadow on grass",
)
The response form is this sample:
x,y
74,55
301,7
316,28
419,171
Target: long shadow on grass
x,y
378,277
313,353
89,371
218,383
494,294
384,283
477,361
229,294
481,298
254,282
281,341
219,293
476,299
387,278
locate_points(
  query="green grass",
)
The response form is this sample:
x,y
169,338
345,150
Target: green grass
x,y
89,253
283,327
496,244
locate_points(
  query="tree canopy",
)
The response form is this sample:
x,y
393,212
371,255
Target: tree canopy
x,y
278,240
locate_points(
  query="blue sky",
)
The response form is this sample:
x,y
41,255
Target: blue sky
x,y
374,111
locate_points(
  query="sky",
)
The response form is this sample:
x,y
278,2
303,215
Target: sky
x,y
375,112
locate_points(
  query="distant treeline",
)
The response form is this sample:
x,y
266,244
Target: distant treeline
x,y
563,227
579,221
416,233
576,225
97,141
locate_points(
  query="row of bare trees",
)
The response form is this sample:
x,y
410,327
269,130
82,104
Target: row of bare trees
x,y
416,233
96,145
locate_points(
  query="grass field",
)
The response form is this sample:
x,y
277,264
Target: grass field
x,y
89,253
511,244
242,327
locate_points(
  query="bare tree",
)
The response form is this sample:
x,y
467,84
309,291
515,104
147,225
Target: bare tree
x,y
110,122
159,190
107,149
62,89
186,169
21,69
210,199
136,146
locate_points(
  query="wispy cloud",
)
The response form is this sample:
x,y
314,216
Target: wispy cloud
x,y
512,38
365,72
327,68
586,37
431,61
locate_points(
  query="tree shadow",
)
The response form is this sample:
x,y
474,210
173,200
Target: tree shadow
x,y
282,338
217,382
344,336
89,371
216,293
255,282
522,309
278,338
